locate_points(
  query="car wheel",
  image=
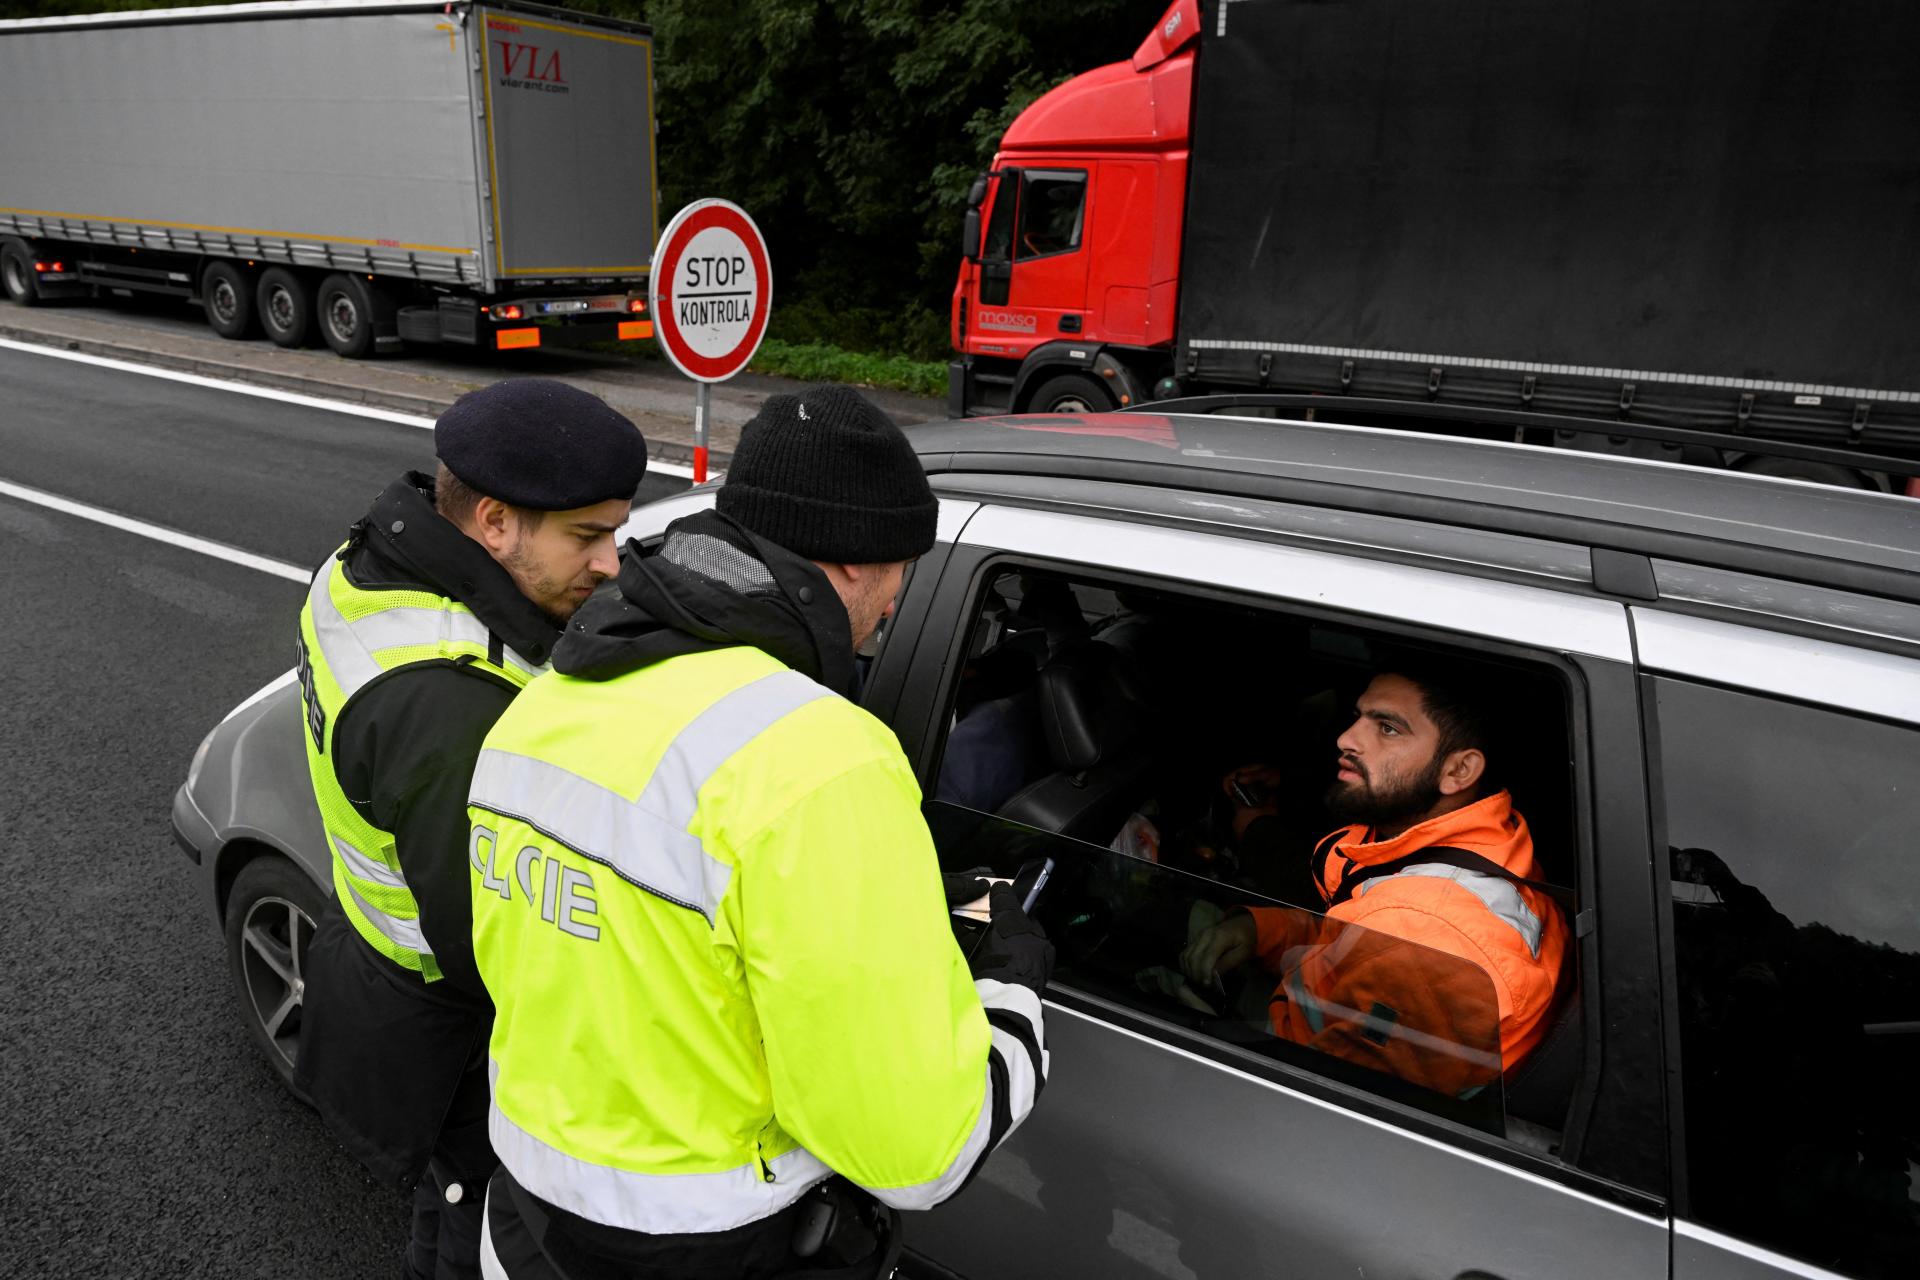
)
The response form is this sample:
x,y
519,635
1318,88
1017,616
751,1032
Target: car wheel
x,y
1800,469
347,311
17,275
1070,393
286,307
227,295
270,918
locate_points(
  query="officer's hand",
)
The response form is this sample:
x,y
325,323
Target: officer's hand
x,y
1219,947
963,887
1015,948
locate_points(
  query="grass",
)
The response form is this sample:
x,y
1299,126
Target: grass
x,y
823,362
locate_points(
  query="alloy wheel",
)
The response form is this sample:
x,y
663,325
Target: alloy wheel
x,y
273,945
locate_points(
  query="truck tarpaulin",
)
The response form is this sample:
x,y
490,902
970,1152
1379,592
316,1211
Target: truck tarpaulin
x,y
1704,200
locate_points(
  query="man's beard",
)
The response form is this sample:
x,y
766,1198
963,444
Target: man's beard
x,y
1400,802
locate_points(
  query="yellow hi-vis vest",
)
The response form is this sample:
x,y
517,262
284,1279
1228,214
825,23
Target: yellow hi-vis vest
x,y
711,920
350,636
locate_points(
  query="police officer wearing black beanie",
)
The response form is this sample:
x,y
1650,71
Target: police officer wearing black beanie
x,y
816,825
447,597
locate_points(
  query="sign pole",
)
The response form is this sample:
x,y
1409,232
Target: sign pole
x,y
702,412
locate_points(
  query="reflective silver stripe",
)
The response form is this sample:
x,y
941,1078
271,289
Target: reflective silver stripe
x,y
651,1202
645,841
490,1265
1502,897
349,647
366,868
401,933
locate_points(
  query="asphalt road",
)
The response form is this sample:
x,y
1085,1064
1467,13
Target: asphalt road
x,y
140,1132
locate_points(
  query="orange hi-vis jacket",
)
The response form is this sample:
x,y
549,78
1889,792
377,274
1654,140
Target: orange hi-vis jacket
x,y
1439,971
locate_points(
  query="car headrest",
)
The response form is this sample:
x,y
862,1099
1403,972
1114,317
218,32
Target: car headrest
x,y
1088,708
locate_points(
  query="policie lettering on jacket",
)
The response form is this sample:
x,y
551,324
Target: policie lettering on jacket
x,y
565,895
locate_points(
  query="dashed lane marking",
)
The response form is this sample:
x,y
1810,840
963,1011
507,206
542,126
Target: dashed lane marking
x,y
157,532
654,466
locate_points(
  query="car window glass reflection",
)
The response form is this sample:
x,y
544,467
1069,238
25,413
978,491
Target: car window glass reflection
x,y
1796,906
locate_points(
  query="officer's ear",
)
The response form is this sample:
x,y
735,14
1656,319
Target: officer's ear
x,y
1461,771
494,526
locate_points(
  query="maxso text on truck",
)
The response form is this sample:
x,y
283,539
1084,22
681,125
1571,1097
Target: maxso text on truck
x,y
1696,218
362,172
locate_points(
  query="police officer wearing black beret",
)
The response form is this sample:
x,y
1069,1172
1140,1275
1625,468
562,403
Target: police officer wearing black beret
x,y
447,597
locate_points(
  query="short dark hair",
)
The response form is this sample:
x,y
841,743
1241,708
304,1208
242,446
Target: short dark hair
x,y
1459,701
455,500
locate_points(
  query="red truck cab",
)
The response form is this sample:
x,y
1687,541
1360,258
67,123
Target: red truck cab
x,y
1066,296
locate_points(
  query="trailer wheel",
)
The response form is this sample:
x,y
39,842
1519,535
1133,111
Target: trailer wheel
x,y
17,275
1070,393
1799,469
350,313
227,295
286,307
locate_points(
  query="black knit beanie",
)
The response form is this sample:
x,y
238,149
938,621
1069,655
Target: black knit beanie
x,y
828,476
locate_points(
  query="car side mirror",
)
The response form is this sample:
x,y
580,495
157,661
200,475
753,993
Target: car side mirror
x,y
970,236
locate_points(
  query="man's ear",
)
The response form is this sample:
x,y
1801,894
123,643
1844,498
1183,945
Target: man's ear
x,y
1462,771
493,525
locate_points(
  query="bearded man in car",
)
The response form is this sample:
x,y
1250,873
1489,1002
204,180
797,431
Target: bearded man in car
x,y
1439,953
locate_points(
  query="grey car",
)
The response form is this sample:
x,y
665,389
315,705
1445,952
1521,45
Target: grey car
x,y
1711,683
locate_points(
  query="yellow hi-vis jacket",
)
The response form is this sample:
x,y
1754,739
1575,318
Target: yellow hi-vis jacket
x,y
711,920
351,636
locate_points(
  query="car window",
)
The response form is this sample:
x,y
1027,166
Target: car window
x,y
1182,749
1052,209
1796,919
999,241
1361,1005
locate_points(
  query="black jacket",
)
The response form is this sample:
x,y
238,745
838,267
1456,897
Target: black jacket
x,y
382,1051
687,599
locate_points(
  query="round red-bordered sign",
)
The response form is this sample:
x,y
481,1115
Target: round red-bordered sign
x,y
711,290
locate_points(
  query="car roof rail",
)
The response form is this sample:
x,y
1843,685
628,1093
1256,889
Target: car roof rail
x,y
1446,414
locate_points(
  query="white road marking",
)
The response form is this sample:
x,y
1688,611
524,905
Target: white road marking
x,y
158,532
272,393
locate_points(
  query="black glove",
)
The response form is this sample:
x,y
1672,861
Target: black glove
x,y
1015,949
964,886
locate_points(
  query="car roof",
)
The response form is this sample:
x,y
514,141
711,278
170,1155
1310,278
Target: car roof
x,y
1846,538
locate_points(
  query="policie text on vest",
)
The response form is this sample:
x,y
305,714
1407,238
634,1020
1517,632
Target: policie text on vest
x,y
566,894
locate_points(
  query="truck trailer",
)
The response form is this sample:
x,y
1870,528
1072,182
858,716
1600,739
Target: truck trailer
x,y
1694,222
364,172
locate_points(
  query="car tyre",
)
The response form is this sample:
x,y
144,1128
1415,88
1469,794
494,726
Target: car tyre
x,y
271,913
286,307
228,297
1800,469
17,276
351,312
1070,393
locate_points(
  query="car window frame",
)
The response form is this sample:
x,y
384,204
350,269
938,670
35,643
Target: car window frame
x,y
919,722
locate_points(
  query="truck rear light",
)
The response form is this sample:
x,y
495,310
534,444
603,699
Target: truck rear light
x,y
506,311
636,329
638,306
49,266
508,339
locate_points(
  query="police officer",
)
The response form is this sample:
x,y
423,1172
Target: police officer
x,y
706,904
446,599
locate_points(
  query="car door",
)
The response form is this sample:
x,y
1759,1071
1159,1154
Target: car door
x,y
1161,1149
1787,771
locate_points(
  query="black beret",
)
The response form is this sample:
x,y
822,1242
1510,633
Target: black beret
x,y
541,444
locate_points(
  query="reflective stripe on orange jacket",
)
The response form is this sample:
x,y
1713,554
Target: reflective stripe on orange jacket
x,y
1449,976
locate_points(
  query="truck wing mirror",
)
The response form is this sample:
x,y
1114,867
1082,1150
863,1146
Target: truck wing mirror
x,y
970,236
977,192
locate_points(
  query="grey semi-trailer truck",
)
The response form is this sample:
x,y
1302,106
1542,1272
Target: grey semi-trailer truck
x,y
362,173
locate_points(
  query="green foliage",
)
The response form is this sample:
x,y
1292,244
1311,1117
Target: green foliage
x,y
820,362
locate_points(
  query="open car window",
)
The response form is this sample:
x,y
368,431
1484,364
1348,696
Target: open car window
x,y
1379,1012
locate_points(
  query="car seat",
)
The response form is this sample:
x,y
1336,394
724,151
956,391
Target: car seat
x,y
1094,725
